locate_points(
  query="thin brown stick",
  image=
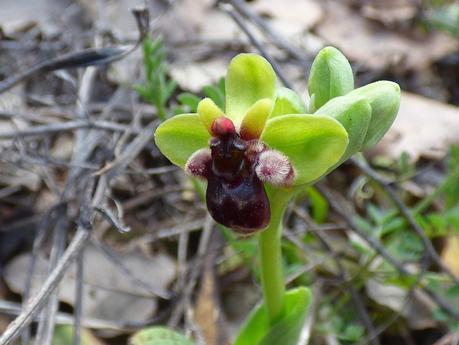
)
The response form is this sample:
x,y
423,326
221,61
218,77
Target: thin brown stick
x,y
240,22
64,127
84,58
277,39
78,312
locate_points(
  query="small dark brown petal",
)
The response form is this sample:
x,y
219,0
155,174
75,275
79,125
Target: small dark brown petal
x,y
199,164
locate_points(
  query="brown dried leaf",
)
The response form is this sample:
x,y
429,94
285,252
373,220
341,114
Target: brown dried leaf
x,y
114,16
389,12
417,310
292,19
193,76
423,127
206,310
450,254
17,15
108,293
377,47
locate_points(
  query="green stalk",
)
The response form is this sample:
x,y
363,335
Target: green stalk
x,y
272,278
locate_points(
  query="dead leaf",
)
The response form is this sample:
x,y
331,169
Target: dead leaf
x,y
63,147
114,16
182,21
423,127
450,254
378,47
193,76
206,310
13,176
17,15
108,292
219,26
389,12
125,71
294,18
416,311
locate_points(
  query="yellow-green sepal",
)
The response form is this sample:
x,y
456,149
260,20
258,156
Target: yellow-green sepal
x,y
208,112
384,99
254,121
331,76
312,143
180,136
249,79
288,102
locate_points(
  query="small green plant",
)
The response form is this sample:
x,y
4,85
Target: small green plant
x,y
189,102
261,148
445,17
158,88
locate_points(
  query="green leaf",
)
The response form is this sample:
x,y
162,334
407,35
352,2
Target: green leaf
x,y
286,331
445,18
216,94
319,205
352,332
288,102
354,113
405,246
190,100
250,78
452,179
440,315
313,143
63,335
384,99
159,336
453,291
331,76
180,136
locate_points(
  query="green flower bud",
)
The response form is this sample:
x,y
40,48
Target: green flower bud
x,y
331,76
354,113
384,99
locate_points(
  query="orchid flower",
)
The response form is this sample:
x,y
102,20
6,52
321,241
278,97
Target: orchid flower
x,y
262,137
264,147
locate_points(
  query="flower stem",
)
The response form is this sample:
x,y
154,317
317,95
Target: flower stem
x,y
272,278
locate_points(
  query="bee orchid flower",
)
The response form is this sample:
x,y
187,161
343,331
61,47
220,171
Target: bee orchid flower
x,y
249,144
264,139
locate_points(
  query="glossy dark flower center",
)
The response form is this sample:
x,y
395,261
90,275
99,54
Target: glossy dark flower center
x,y
235,195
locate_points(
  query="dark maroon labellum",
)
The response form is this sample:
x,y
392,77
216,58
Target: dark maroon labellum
x,y
235,195
236,169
